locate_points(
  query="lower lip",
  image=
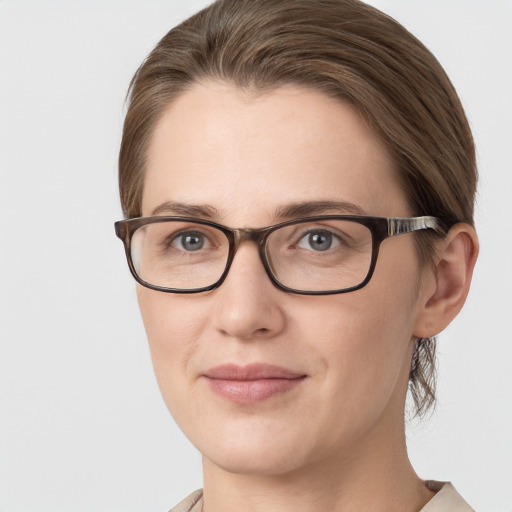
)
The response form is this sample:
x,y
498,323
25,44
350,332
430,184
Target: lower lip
x,y
252,391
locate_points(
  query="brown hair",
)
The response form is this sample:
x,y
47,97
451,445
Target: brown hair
x,y
347,50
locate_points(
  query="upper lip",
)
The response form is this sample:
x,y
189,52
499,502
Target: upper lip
x,y
254,371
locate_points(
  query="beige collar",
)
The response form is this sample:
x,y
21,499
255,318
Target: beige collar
x,y
447,499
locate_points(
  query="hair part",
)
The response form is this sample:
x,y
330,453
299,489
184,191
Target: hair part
x,y
346,50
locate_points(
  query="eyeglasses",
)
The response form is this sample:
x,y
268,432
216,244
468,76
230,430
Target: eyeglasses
x,y
310,256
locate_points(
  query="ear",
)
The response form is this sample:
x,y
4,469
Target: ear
x,y
447,285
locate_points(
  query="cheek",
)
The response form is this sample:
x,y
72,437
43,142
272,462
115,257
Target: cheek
x,y
173,329
363,340
366,337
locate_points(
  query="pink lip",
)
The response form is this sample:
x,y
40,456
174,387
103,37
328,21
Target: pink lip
x,y
251,383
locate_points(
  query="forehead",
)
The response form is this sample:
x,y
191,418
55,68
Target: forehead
x,y
247,154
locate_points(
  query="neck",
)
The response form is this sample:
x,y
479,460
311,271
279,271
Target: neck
x,y
377,478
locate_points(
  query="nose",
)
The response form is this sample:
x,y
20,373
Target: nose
x,y
248,305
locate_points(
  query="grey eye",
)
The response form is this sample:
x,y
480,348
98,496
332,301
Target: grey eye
x,y
190,241
318,241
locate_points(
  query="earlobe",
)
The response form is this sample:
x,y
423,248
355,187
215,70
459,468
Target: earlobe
x,y
451,278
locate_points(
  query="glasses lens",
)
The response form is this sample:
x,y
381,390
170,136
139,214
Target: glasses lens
x,y
324,255
179,255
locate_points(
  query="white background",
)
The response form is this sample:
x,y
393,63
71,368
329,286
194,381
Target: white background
x,y
82,424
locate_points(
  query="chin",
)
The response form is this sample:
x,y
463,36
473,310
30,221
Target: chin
x,y
249,446
261,448
255,462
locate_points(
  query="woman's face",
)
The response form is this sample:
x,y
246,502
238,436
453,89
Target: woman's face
x,y
263,381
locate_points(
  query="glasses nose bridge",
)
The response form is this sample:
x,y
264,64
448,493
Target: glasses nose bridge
x,y
255,235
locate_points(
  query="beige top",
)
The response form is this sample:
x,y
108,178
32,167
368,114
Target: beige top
x,y
447,499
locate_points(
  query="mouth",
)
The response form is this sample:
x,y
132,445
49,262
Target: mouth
x,y
252,383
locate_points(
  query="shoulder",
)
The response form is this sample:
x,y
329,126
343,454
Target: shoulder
x,y
447,499
192,503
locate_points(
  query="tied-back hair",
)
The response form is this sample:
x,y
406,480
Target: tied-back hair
x,y
348,51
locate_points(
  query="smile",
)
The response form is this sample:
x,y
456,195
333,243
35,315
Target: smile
x,y
252,383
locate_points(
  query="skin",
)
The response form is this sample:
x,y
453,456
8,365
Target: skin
x,y
336,441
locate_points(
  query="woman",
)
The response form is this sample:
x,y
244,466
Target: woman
x,y
298,178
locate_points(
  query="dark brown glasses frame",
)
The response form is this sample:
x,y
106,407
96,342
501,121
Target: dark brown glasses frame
x,y
379,227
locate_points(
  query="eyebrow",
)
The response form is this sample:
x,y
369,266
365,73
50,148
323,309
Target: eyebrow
x,y
186,210
304,209
289,211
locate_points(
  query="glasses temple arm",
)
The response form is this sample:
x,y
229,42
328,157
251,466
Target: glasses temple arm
x,y
400,226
